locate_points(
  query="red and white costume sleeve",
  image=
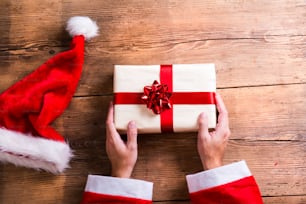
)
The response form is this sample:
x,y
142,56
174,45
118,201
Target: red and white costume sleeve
x,y
104,189
229,184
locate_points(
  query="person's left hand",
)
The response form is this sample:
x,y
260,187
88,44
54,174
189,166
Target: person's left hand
x,y
122,155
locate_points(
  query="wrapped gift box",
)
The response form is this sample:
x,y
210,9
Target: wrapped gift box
x,y
164,98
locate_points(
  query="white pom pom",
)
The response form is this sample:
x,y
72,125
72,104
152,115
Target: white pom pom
x,y
82,25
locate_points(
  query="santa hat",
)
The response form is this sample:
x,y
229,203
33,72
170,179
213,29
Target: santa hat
x,y
28,108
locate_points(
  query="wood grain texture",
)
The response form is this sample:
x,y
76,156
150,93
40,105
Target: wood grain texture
x,y
248,40
165,165
239,63
255,113
272,200
267,113
285,199
279,166
259,51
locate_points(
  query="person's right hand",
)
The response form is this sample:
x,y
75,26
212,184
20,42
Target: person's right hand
x,y
211,145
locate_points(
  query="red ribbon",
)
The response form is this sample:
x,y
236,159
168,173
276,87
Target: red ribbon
x,y
176,98
166,117
166,114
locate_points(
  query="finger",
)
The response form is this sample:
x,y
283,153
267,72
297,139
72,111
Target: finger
x,y
223,125
132,135
220,104
223,114
203,125
110,115
110,127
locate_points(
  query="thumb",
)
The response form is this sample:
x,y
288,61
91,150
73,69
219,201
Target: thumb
x,y
203,125
132,135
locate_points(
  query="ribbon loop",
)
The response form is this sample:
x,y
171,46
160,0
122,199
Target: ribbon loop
x,y
157,97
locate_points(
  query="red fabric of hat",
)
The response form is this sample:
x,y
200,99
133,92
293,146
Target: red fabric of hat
x,y
28,108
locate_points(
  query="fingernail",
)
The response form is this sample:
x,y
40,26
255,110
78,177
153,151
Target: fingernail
x,y
132,124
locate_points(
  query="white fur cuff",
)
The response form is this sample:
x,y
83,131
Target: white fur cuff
x,y
34,152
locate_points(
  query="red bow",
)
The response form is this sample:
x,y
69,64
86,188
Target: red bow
x,y
157,97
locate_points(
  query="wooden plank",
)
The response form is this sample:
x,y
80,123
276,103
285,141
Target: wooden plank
x,y
281,171
267,113
269,160
259,131
159,20
267,200
245,39
238,62
253,43
286,199
256,113
164,161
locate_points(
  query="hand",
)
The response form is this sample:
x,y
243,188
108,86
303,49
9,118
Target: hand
x,y
211,145
122,155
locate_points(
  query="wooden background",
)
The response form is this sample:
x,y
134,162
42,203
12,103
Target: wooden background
x,y
259,48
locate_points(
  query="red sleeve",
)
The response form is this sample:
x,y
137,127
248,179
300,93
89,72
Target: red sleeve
x,y
228,184
103,189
